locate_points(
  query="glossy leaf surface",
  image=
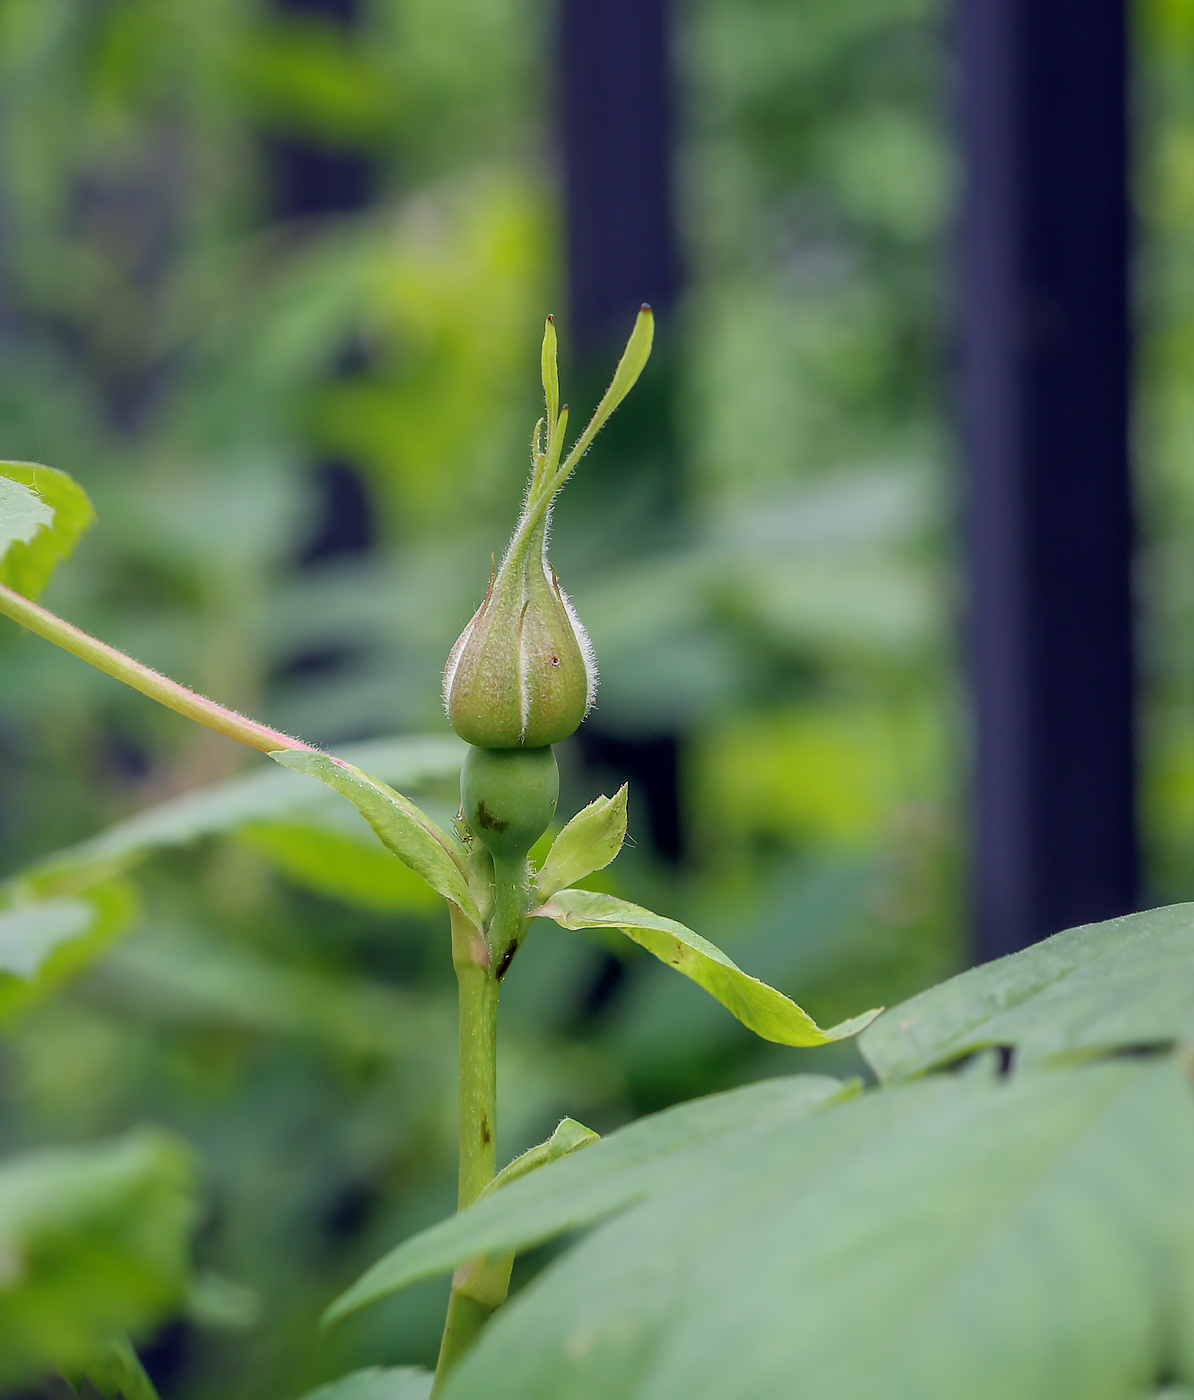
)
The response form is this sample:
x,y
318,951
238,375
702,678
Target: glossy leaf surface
x,y
759,1007
1120,983
43,512
957,1236
607,1176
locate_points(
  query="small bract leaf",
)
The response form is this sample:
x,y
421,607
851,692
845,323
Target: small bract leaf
x,y
377,1383
1082,992
410,834
759,1007
589,842
609,1176
569,1136
43,512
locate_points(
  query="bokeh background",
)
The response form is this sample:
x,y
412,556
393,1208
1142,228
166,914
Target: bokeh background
x,y
272,281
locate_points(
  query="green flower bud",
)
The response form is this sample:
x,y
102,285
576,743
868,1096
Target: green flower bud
x,y
522,674
509,797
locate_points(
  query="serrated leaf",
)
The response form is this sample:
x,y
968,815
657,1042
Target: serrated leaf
x,y
219,808
377,1383
623,1168
434,855
589,842
43,513
957,1236
1082,992
759,1007
93,1243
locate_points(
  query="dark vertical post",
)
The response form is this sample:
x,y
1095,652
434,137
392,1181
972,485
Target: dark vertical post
x,y
1044,407
615,121
616,133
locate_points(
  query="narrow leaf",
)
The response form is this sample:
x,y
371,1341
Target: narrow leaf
x,y
551,376
413,837
759,1007
1086,991
43,513
609,1176
589,842
630,366
377,1383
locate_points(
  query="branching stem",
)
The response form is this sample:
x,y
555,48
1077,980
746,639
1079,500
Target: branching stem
x,y
149,682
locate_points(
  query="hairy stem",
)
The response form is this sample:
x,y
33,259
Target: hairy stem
x,y
149,682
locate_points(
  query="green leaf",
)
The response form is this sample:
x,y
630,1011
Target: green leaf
x,y
378,1383
45,942
759,1007
630,366
337,864
959,1236
29,933
589,842
115,1370
1082,992
262,796
609,1176
189,980
43,513
568,1137
93,1243
434,855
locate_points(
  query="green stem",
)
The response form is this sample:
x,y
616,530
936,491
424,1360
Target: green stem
x,y
149,682
480,1285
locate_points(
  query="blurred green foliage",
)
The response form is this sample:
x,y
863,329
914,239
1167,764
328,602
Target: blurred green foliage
x,y
190,356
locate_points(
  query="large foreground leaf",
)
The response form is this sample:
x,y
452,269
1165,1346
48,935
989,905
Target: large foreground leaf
x,y
43,512
765,1011
959,1236
378,1383
1128,981
607,1176
93,1243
